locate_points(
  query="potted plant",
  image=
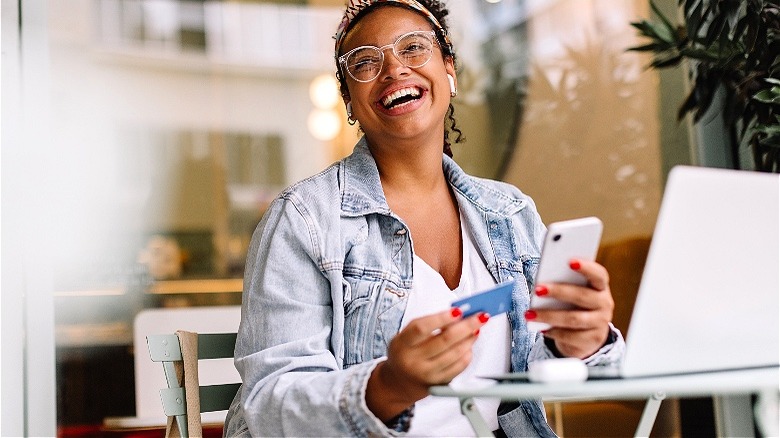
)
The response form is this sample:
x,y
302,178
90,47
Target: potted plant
x,y
733,46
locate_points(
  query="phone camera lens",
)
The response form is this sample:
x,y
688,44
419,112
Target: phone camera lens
x,y
556,237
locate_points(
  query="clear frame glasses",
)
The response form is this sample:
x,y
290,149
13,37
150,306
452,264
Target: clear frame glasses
x,y
413,49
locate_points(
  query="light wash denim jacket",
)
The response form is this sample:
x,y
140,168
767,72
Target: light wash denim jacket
x,y
327,278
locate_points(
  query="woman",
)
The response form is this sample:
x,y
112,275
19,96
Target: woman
x,y
346,320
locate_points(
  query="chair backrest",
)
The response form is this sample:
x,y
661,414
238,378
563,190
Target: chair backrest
x,y
149,379
181,372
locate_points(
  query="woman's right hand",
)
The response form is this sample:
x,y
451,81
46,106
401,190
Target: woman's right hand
x,y
430,350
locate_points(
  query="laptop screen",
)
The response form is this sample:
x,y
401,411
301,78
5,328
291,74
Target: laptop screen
x,y
708,299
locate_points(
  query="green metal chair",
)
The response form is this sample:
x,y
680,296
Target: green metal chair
x,y
179,354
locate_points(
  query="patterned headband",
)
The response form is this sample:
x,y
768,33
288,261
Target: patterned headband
x,y
356,6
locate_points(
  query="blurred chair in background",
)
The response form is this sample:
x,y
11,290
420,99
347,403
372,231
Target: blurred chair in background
x,y
185,398
149,378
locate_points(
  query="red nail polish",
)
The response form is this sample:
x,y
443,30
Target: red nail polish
x,y
456,312
541,291
483,317
530,315
574,265
476,332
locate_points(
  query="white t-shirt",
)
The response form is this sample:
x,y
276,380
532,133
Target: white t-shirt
x,y
441,416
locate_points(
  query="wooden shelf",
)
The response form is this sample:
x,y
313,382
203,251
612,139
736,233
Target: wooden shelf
x,y
204,286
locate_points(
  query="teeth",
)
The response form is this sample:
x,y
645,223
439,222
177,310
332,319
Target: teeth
x,y
388,100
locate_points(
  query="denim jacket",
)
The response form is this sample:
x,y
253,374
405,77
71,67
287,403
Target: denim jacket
x,y
328,274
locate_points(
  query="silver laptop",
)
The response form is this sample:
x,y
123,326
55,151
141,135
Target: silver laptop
x,y
709,298
709,295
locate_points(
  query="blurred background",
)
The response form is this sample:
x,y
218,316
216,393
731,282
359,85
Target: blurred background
x,y
143,140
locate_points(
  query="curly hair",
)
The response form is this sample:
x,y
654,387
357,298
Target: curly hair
x,y
438,9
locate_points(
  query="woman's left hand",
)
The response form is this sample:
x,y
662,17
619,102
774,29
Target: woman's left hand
x,y
582,331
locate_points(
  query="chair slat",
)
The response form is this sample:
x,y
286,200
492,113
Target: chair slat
x,y
216,345
217,397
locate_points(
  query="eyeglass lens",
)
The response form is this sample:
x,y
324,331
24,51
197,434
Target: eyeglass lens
x,y
413,50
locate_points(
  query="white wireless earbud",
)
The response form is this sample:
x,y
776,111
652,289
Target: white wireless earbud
x,y
350,119
453,90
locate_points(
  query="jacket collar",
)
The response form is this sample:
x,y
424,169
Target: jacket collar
x,y
361,189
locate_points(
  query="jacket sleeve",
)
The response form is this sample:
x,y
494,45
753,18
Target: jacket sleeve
x,y
609,355
293,382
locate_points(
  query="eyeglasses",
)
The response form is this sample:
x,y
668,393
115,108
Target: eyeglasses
x,y
413,49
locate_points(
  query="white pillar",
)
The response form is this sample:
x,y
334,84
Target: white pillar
x,y
28,382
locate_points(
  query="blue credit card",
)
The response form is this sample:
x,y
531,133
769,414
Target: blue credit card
x,y
493,301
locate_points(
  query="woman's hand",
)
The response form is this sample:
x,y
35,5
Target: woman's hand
x,y
582,331
431,350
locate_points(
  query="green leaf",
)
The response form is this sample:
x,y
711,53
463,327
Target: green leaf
x,y
732,11
773,81
663,18
663,32
694,20
751,33
772,141
666,62
646,29
652,47
690,103
757,5
689,4
639,24
768,96
768,129
715,29
702,54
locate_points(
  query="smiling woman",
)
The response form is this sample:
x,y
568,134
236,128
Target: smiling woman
x,y
385,90
347,318
185,119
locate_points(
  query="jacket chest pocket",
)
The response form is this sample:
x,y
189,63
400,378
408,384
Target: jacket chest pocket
x,y
373,310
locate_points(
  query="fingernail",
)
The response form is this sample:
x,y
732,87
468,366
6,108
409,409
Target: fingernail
x,y
541,290
483,317
456,312
574,265
476,332
530,315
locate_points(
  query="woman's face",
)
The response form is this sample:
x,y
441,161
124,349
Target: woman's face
x,y
402,102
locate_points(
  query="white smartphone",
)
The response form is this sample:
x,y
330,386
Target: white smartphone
x,y
565,240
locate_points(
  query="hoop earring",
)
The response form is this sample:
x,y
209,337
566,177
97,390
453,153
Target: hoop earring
x,y
453,90
350,120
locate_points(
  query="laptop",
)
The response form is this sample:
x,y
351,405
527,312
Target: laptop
x,y
709,298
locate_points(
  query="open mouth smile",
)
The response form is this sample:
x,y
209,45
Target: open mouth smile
x,y
401,97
